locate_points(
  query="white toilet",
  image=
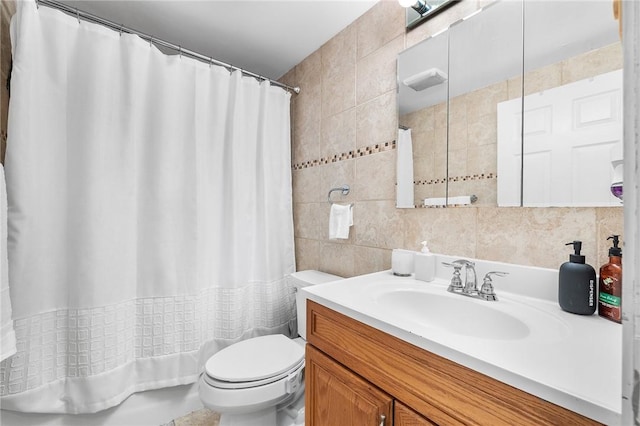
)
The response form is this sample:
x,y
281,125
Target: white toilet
x,y
260,381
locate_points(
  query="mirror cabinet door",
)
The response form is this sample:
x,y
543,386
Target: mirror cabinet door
x,y
573,104
422,95
560,62
485,69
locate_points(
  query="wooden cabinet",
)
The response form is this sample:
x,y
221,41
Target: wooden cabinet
x,y
405,416
355,371
341,397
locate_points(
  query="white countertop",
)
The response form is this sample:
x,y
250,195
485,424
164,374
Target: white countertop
x,y
573,361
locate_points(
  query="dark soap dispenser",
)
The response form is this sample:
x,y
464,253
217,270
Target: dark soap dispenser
x,y
577,284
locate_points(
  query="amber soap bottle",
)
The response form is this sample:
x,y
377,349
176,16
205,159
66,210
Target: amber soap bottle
x,y
610,284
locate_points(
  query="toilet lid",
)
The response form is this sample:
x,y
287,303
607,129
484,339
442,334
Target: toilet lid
x,y
255,359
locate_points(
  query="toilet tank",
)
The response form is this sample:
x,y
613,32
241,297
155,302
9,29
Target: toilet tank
x,y
302,279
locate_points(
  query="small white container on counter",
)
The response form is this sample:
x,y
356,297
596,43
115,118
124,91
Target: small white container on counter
x,y
425,264
402,262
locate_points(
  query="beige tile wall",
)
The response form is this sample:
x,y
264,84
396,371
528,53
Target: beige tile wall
x,y
348,101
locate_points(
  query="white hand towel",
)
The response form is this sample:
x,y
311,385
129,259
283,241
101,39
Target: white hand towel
x,y
7,335
404,169
340,220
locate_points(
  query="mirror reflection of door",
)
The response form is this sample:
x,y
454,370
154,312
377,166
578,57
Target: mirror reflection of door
x,y
572,136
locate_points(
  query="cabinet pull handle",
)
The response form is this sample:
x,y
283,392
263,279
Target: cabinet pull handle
x,y
382,419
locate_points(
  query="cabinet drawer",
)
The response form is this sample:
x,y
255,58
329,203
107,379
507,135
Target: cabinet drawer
x,y
439,389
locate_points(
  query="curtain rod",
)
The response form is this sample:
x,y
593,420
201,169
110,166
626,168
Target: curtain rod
x,y
122,29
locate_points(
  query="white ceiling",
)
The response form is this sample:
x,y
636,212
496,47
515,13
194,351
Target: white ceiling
x,y
267,37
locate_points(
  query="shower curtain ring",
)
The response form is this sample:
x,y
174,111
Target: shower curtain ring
x,y
180,51
151,42
121,30
210,61
78,15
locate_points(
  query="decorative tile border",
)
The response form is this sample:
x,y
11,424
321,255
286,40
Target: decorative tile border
x,y
473,177
360,152
481,176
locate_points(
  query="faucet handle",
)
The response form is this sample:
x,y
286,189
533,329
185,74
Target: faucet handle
x,y
496,273
456,281
464,262
486,291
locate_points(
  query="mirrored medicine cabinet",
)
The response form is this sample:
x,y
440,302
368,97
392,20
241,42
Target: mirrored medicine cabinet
x,y
462,93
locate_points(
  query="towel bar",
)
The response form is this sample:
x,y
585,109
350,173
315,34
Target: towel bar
x,y
344,188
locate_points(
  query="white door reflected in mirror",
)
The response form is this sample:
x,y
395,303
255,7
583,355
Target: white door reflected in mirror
x,y
572,137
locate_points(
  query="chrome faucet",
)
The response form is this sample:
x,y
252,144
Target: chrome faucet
x,y
470,287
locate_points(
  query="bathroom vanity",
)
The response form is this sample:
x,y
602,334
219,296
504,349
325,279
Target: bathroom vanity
x,y
370,361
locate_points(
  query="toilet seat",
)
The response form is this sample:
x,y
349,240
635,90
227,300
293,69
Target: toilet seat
x,y
253,375
253,383
254,362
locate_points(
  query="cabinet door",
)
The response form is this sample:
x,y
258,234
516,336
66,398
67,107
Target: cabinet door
x,y
405,416
337,396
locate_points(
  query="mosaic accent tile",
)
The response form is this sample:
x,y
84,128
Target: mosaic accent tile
x,y
360,152
456,179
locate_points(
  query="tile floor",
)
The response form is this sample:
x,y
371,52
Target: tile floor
x,y
202,417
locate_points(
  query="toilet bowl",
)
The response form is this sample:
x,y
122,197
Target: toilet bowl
x,y
260,381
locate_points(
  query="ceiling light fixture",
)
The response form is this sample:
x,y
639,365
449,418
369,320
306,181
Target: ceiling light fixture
x,y
418,5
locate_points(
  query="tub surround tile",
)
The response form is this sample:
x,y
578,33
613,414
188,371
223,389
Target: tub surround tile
x,y
376,120
376,72
449,231
368,260
308,107
307,254
337,259
535,236
379,224
339,72
310,220
338,133
334,175
306,185
381,24
375,177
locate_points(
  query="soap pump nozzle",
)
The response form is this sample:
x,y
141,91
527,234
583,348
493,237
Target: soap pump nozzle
x,y
615,250
576,257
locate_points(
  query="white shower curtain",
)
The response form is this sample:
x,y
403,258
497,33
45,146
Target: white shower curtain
x,y
150,219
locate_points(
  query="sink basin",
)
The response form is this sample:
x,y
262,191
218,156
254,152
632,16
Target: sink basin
x,y
430,307
460,315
